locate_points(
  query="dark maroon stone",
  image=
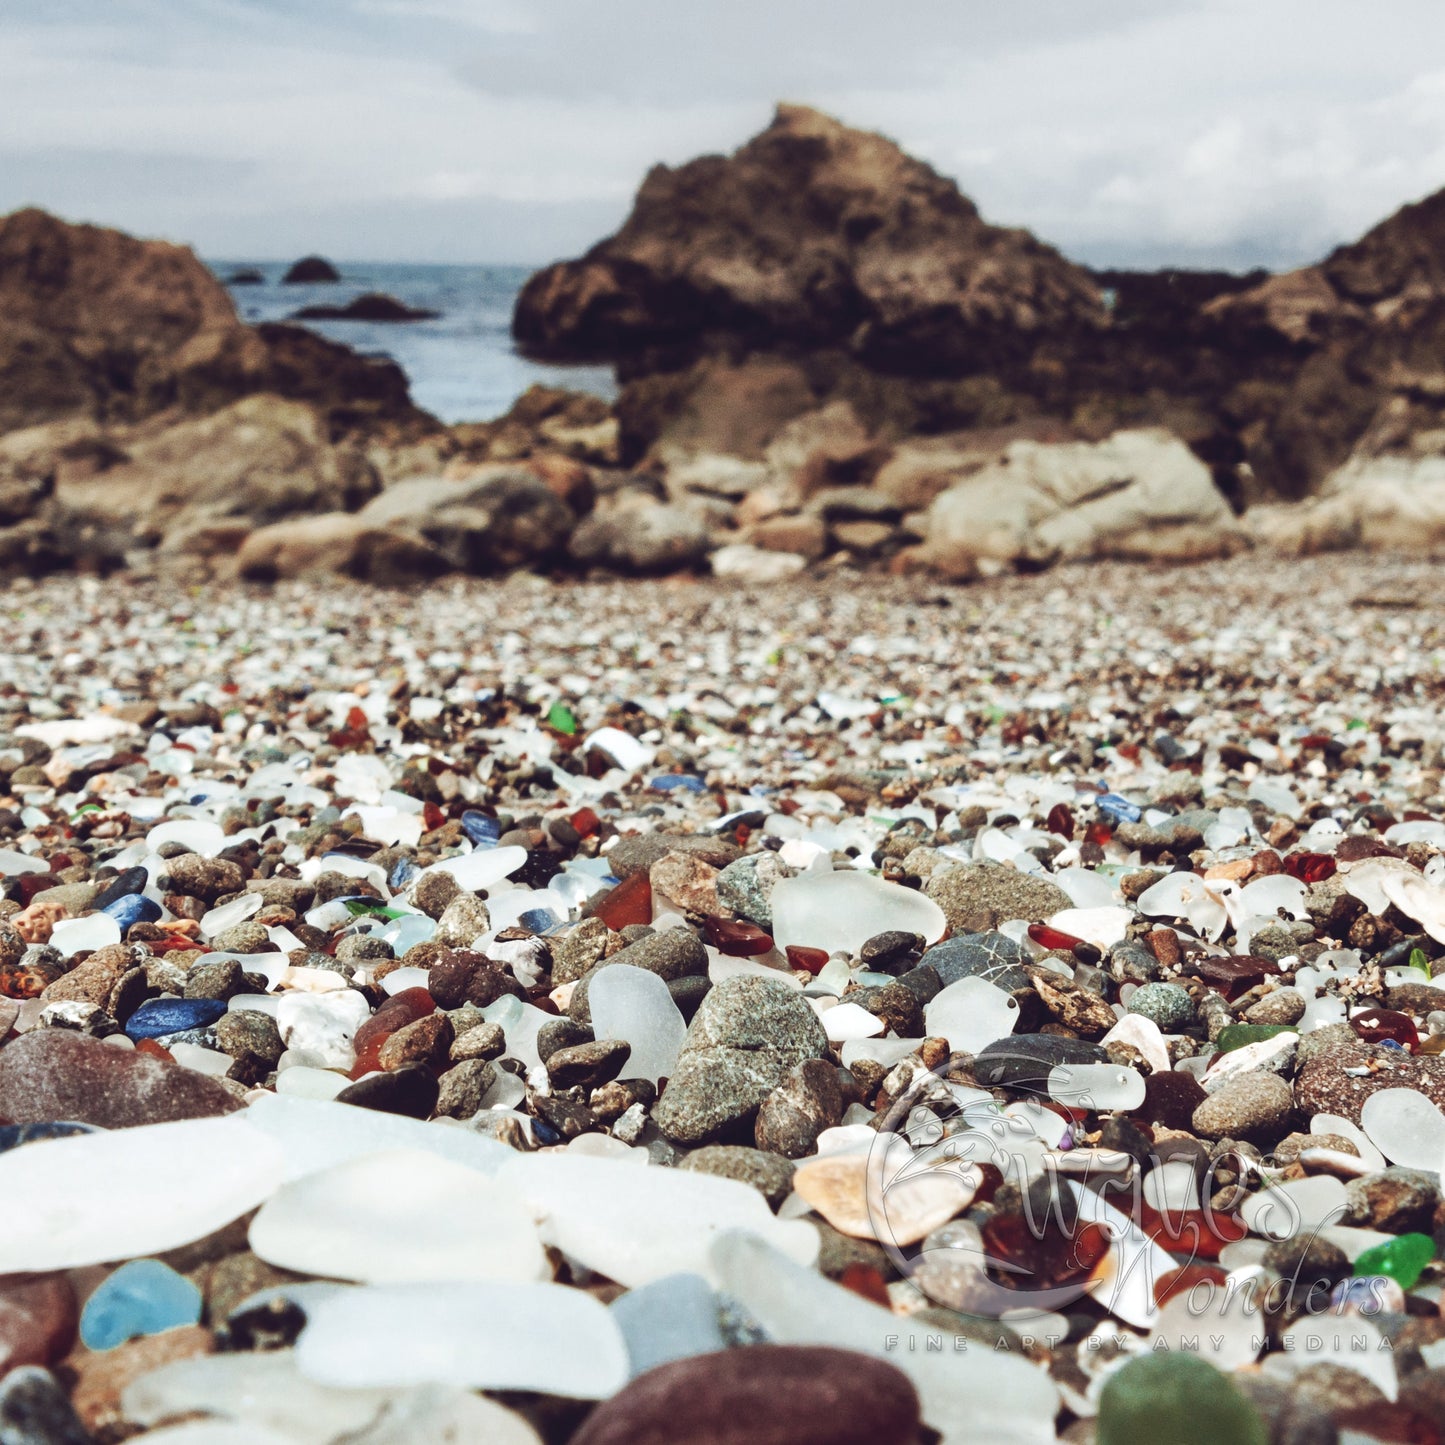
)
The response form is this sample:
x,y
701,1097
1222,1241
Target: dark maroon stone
x,y
1171,1099
464,977
55,1074
411,1090
761,1395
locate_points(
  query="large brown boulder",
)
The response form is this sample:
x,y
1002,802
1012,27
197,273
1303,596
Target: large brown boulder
x,y
338,543
499,518
1140,495
97,322
262,459
813,233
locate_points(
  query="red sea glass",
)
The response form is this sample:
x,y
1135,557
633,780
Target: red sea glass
x,y
736,939
1185,1278
399,1010
864,1280
585,821
1060,821
1042,1253
1375,1025
629,902
1054,939
1197,1233
1310,867
810,960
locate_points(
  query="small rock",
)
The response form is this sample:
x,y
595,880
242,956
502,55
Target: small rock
x,y
967,890
588,1065
806,1101
805,1395
464,1086
1255,1107
771,1176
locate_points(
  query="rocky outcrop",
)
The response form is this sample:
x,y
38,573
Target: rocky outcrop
x,y
639,535
100,325
94,322
371,306
260,460
337,542
820,264
812,234
1392,503
1139,496
309,271
500,519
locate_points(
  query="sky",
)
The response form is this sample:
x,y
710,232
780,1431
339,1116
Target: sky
x,y
1127,132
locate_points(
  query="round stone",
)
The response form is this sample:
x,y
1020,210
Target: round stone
x,y
1166,1004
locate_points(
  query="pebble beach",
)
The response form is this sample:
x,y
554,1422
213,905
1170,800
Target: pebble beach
x,y
856,1009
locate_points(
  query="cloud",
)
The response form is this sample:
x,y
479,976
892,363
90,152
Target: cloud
x,y
1125,131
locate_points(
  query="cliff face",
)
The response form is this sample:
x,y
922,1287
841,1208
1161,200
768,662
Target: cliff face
x,y
815,235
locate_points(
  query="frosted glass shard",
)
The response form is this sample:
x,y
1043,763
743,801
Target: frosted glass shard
x,y
625,751
1103,927
1133,1265
841,911
1263,897
484,867
1096,1086
113,1195
213,1432
432,1416
263,1391
198,834
859,1196
1294,1207
1275,795
884,1051
388,826
1144,1035
13,863
1184,895
315,1134
1365,880
1172,1187
1417,899
1406,1127
970,1014
636,1225
323,1024
218,920
494,1336
977,1395
634,1004
847,1021
1086,888
304,1082
398,1216
1335,1124
95,930
1226,1331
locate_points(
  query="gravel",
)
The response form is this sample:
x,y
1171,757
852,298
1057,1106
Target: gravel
x,y
1151,805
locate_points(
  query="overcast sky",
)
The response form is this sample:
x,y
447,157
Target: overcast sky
x,y
1232,132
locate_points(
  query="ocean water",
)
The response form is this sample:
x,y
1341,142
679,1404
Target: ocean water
x,y
462,366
